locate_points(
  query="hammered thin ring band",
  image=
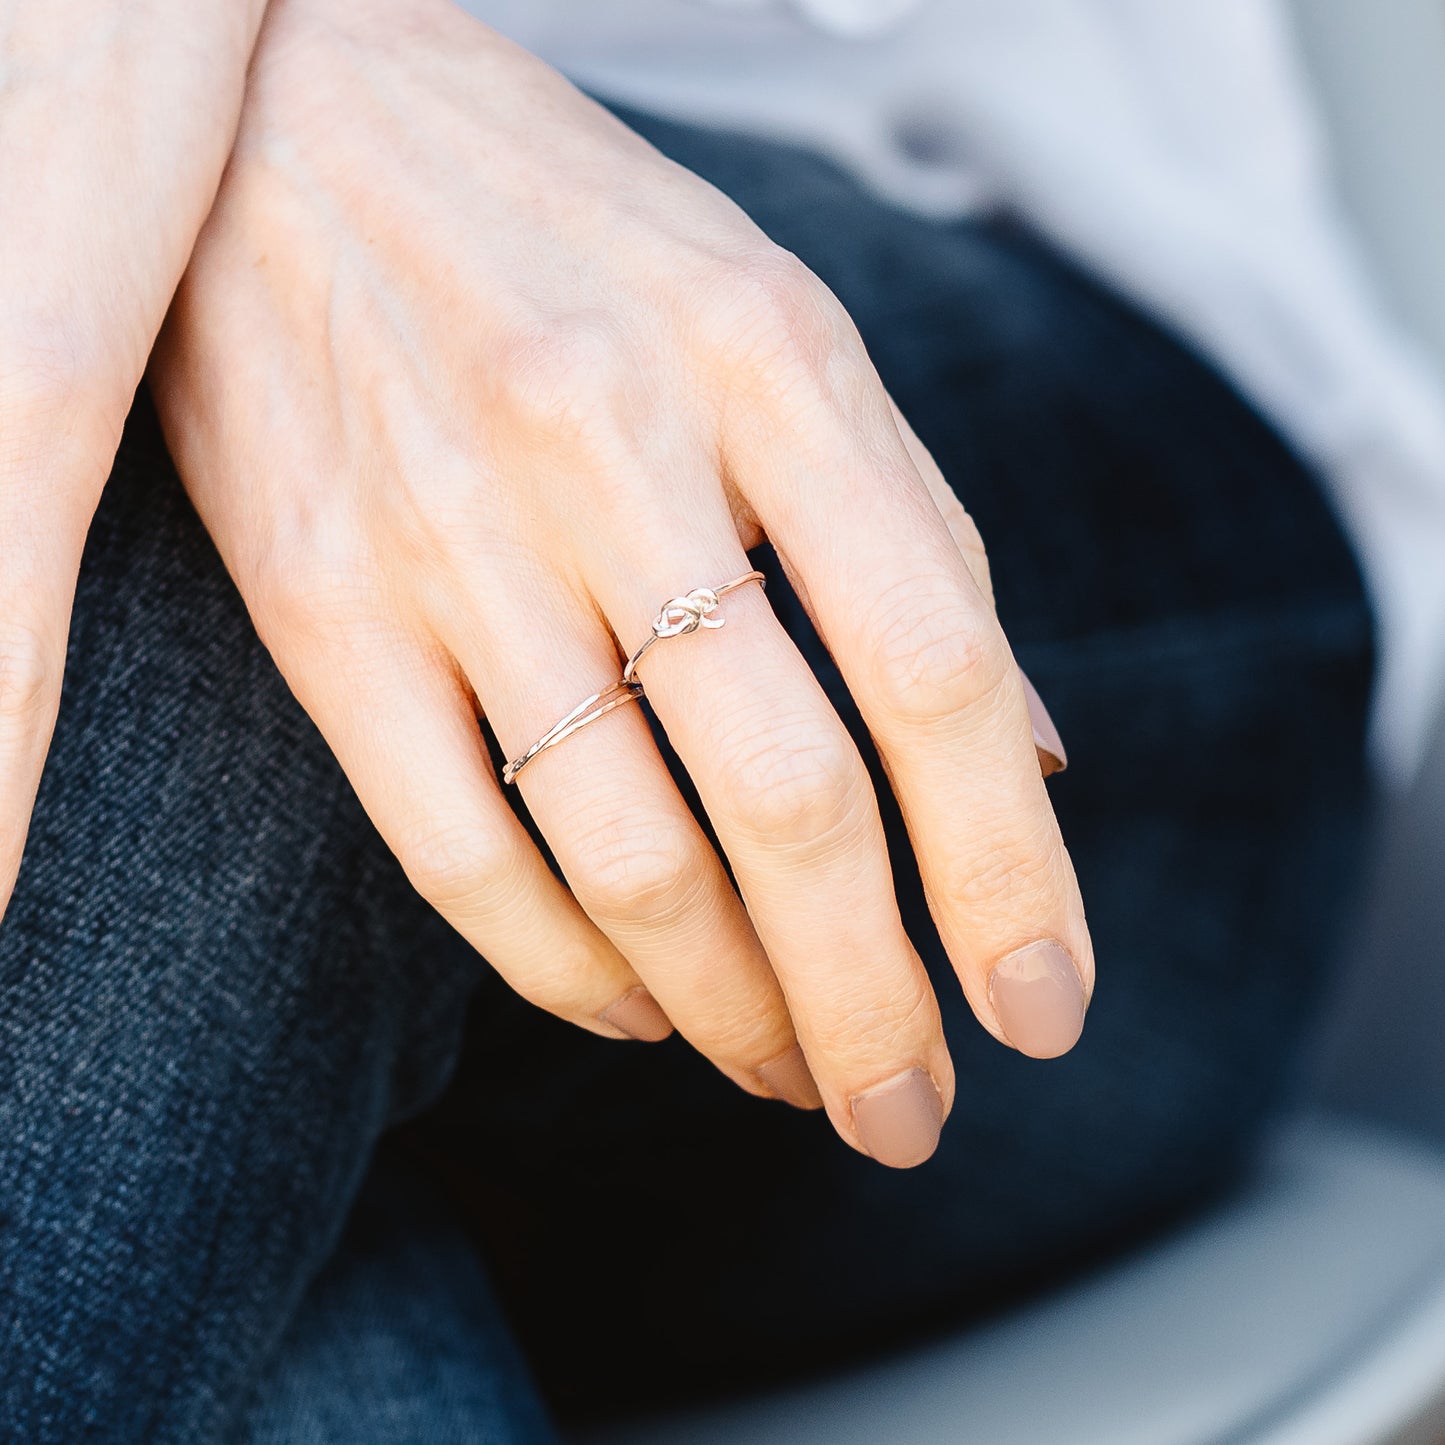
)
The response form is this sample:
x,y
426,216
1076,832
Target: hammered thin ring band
x,y
678,617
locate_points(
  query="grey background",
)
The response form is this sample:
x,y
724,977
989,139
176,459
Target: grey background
x,y
1379,70
1379,66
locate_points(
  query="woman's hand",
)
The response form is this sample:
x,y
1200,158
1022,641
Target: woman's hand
x,y
466,380
116,118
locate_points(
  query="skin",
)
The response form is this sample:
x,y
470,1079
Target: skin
x,y
462,402
102,195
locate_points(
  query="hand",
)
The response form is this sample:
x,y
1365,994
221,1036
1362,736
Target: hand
x,y
115,122
466,380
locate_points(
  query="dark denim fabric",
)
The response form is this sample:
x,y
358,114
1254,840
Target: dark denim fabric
x,y
217,992
399,1340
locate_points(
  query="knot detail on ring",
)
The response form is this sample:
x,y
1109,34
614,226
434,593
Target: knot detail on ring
x,y
678,617
686,614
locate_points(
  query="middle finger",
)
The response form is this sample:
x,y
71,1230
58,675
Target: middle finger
x,y
792,804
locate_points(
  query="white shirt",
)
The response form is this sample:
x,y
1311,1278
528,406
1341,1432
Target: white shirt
x,y
1170,147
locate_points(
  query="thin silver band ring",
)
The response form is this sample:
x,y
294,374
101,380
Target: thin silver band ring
x,y
678,617
589,710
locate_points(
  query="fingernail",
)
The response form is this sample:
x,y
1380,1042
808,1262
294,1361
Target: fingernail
x,y
1038,999
1047,742
790,1078
898,1122
638,1015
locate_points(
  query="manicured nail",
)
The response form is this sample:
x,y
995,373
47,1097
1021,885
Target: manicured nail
x,y
638,1016
1038,999
898,1122
1047,742
790,1078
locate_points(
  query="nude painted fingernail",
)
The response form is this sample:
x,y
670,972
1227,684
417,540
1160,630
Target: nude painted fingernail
x,y
1047,742
638,1015
1038,999
898,1122
790,1078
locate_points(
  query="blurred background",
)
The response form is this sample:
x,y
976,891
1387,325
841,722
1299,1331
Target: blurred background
x,y
1379,75
1377,72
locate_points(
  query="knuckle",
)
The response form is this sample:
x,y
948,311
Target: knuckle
x,y
789,788
565,381
29,674
563,982
296,588
466,871
933,656
741,1022
307,582
57,390
42,375
1020,872
773,314
633,874
878,1022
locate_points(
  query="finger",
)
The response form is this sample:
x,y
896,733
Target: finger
x,y
1048,745
792,805
403,728
922,653
960,524
38,568
55,448
628,845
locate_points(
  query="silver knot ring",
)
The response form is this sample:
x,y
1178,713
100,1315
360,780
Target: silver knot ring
x,y
679,616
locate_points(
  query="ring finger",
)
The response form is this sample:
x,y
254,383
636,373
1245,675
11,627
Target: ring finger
x,y
630,849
